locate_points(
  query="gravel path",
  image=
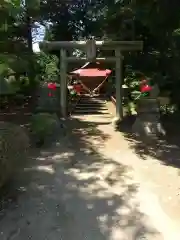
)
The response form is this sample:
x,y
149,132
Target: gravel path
x,y
86,187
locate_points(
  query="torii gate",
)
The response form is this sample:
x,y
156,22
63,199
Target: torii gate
x,y
90,47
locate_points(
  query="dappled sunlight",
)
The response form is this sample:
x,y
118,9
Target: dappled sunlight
x,y
164,149
48,169
113,212
74,191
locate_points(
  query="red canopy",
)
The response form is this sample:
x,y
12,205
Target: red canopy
x,y
92,75
92,72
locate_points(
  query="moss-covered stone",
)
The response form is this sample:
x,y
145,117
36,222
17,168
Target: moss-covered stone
x,y
14,144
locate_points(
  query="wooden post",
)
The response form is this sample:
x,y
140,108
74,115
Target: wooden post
x,y
91,50
118,83
63,83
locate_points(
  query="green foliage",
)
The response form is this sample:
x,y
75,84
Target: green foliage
x,y
132,80
48,67
16,21
157,23
11,6
32,4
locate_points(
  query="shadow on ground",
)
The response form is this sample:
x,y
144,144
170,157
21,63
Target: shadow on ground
x,y
166,150
60,193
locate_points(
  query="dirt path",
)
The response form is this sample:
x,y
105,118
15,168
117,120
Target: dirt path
x,y
89,186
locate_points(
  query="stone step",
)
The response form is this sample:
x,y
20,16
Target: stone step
x,y
90,109
89,105
82,111
91,102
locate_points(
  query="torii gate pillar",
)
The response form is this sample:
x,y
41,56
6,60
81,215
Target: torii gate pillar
x,y
118,84
63,83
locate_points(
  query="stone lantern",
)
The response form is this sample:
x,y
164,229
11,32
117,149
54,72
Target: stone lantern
x,y
147,122
47,103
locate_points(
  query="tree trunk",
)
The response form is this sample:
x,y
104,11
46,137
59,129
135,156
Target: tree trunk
x,y
31,73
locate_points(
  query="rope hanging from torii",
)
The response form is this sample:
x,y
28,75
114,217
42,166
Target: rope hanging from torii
x,y
91,78
92,91
100,85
